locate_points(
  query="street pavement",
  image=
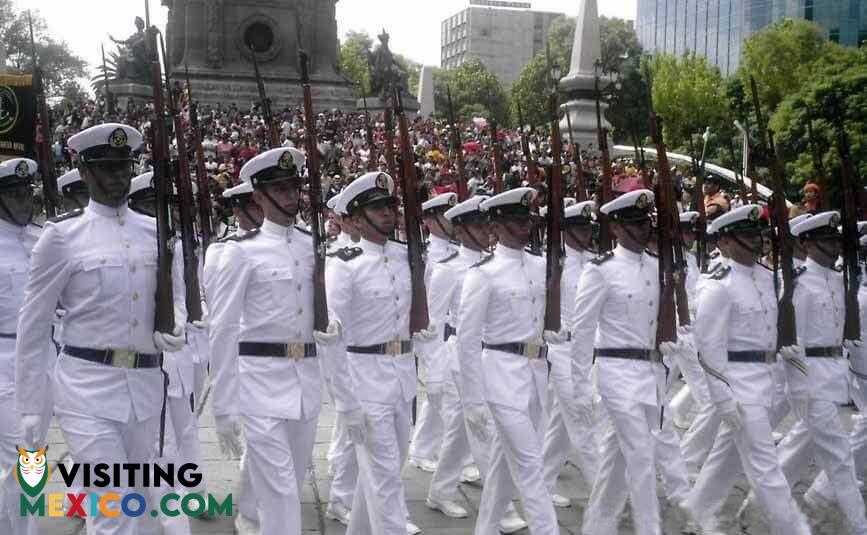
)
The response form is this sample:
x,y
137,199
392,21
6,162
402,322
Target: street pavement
x,y
222,478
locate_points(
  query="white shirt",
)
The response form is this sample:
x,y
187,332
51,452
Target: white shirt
x,y
263,292
737,311
616,306
573,266
502,301
437,250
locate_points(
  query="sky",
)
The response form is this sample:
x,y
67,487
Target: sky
x,y
414,25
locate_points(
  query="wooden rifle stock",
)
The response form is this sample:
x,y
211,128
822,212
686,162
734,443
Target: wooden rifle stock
x,y
164,311
265,102
525,147
783,250
418,317
186,211
206,226
554,224
388,140
458,149
320,303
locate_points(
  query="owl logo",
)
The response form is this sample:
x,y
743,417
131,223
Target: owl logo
x,y
32,471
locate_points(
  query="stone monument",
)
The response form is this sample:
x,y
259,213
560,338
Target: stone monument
x,y
427,107
386,75
580,82
129,74
212,39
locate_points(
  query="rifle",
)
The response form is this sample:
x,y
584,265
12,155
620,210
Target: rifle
x,y
164,312
525,147
579,165
389,141
818,167
851,272
701,234
738,177
265,102
498,150
605,243
458,149
184,184
786,333
554,226
320,303
204,194
44,154
109,100
372,161
642,162
748,162
418,316
673,304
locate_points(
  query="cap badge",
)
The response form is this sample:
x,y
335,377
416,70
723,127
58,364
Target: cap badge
x,y
22,169
641,201
452,200
118,138
525,200
286,162
754,215
586,211
381,181
834,221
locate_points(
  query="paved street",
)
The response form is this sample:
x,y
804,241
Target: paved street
x,y
222,478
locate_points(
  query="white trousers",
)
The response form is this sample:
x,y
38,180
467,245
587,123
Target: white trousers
x,y
379,507
182,436
427,438
698,440
858,443
94,440
278,455
626,467
341,457
516,462
749,450
455,445
570,425
11,521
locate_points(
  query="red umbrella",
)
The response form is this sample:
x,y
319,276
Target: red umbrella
x,y
472,146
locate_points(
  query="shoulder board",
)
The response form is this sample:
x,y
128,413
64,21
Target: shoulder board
x,y
395,240
715,253
449,258
532,251
721,273
769,268
348,253
37,225
651,253
456,243
246,236
713,268
68,215
798,271
604,257
484,260
303,230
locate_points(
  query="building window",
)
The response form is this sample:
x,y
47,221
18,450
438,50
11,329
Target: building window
x,y
485,32
808,10
834,35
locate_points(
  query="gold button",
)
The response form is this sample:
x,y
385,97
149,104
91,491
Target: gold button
x,y
126,245
296,262
102,260
385,259
121,222
135,323
299,287
135,296
651,303
533,300
132,268
297,334
273,273
647,283
392,278
396,298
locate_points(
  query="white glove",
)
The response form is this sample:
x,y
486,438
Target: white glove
x,y
477,421
428,334
559,337
684,331
795,356
201,325
173,342
730,412
229,436
800,406
356,426
852,344
672,349
31,428
331,335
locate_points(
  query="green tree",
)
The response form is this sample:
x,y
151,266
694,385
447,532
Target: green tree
x,y
530,92
56,59
353,54
473,87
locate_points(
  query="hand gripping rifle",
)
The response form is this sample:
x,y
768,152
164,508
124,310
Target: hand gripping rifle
x,y
418,317
554,225
525,147
851,273
44,154
320,304
265,102
786,333
164,314
204,193
186,210
458,150
605,243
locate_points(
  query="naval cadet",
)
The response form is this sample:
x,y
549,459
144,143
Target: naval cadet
x,y
74,193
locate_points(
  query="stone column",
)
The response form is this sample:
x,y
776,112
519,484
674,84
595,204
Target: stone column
x,y
426,93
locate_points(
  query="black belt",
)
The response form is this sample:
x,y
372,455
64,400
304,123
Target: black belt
x,y
115,357
448,332
395,347
627,353
10,336
760,357
830,352
531,351
296,351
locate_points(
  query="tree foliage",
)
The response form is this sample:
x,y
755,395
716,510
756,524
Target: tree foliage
x,y
474,90
57,61
353,57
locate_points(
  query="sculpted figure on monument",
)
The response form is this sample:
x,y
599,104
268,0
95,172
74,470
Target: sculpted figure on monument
x,y
132,62
386,72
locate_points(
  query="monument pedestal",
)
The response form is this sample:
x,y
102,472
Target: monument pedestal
x,y
121,92
377,107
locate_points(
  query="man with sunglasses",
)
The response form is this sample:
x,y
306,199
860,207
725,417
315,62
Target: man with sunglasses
x,y
100,265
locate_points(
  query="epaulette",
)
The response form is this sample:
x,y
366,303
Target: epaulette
x,y
711,269
68,215
651,253
533,251
798,271
769,268
245,236
720,274
395,240
303,230
484,260
715,253
37,225
456,243
604,257
348,253
449,258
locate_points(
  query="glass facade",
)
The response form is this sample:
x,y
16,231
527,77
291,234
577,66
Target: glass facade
x,y
716,28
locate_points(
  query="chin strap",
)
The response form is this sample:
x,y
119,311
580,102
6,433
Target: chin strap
x,y
243,209
11,218
824,251
442,228
374,226
757,252
584,246
282,210
473,239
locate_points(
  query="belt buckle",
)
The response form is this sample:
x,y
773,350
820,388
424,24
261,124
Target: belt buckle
x,y
295,351
654,355
770,357
392,348
123,358
531,351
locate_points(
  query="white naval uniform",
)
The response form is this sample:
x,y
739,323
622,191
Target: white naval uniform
x,y
503,301
15,245
263,292
737,311
820,315
101,267
571,422
427,437
370,294
616,307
